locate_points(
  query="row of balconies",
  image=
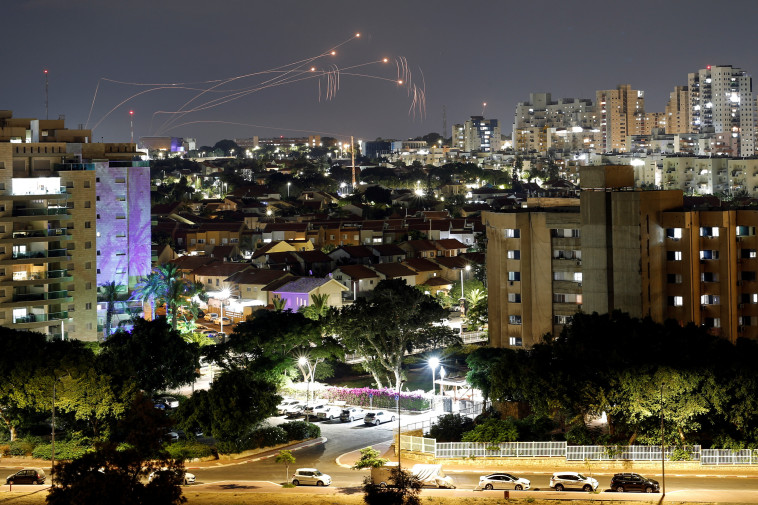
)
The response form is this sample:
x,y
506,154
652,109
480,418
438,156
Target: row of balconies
x,y
41,317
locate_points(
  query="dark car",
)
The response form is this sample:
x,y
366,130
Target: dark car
x,y
633,482
27,476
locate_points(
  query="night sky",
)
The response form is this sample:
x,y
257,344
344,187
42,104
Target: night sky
x,y
462,53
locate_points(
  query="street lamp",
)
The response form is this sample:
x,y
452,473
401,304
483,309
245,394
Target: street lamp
x,y
223,295
433,364
288,189
303,361
442,378
463,296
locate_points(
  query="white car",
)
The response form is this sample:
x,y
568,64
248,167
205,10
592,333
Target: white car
x,y
295,410
211,316
310,476
189,478
169,401
283,407
311,409
329,412
503,481
572,480
350,414
378,417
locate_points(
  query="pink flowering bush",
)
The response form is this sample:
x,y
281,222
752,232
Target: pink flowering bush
x,y
382,398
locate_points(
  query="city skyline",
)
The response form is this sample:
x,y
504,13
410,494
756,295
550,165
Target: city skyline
x,y
456,62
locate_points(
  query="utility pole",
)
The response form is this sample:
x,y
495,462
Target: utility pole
x,y
131,124
352,157
444,122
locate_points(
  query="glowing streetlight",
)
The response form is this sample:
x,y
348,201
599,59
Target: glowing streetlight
x,y
433,364
222,296
288,189
303,361
463,296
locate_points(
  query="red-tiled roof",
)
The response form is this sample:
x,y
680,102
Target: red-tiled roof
x,y
451,243
392,270
421,265
258,276
358,272
220,269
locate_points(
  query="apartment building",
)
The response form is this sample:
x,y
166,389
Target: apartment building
x,y
73,215
722,101
678,111
534,118
477,135
620,113
640,252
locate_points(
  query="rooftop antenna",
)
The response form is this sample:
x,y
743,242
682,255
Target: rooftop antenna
x,y
47,103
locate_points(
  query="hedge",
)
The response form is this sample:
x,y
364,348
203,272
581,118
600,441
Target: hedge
x,y
301,430
185,449
377,398
63,450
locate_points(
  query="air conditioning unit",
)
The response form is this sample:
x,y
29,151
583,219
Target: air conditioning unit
x,y
580,284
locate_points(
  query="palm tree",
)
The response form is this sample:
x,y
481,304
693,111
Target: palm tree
x,y
167,285
278,303
146,291
109,294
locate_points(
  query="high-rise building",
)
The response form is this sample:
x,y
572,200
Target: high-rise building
x,y
640,252
73,215
540,113
722,101
477,134
678,111
620,113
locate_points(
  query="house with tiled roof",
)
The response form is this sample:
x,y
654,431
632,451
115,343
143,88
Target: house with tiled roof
x,y
451,266
213,275
389,253
188,263
395,271
357,278
424,268
253,284
352,255
315,263
419,248
436,285
229,252
298,293
284,231
450,247
208,235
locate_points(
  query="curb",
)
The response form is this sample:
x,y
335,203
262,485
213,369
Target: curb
x,y
265,455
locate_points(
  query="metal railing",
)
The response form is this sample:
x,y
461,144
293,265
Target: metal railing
x,y
470,337
50,253
34,297
39,318
49,211
729,457
503,450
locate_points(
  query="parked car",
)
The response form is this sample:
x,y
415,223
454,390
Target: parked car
x,y
169,401
310,476
225,319
503,481
311,408
295,411
329,412
27,476
378,417
572,480
211,316
351,414
633,482
282,408
189,478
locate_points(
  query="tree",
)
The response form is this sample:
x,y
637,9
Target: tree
x,y
236,402
119,475
405,491
109,295
153,355
394,319
369,459
167,285
450,428
288,459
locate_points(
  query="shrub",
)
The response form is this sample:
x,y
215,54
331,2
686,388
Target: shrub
x,y
23,446
450,428
5,450
187,449
301,430
580,434
230,446
378,398
267,437
69,449
493,431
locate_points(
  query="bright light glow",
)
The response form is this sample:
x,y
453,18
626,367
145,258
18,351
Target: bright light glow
x,y
400,81
357,34
636,162
302,360
468,267
576,129
434,362
313,69
385,60
334,52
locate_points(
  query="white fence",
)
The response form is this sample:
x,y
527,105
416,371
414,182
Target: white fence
x,y
572,452
629,452
729,457
504,450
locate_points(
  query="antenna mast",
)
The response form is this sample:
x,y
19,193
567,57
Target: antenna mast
x,y
352,157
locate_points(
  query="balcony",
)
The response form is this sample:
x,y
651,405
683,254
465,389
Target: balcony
x,y
41,318
37,257
34,212
38,297
27,236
